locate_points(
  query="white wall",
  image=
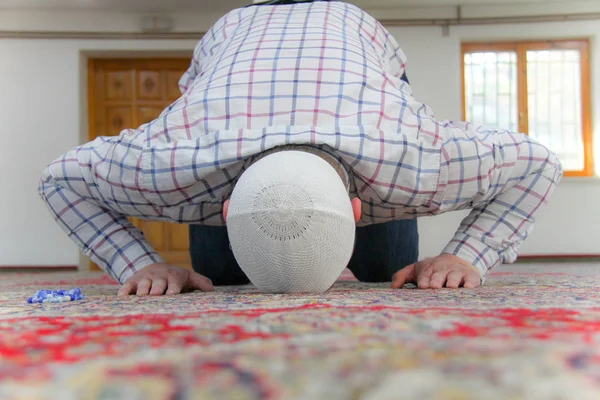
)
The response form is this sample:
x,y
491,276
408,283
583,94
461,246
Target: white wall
x,y
570,224
96,21
42,114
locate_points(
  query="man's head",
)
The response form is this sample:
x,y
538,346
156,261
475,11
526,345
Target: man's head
x,y
291,223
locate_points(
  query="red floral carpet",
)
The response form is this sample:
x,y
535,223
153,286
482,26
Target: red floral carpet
x,y
522,336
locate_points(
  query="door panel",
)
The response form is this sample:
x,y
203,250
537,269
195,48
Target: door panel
x,y
149,85
118,118
126,93
118,85
172,81
178,238
147,114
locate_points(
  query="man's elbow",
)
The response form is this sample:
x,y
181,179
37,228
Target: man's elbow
x,y
55,174
554,167
549,165
46,182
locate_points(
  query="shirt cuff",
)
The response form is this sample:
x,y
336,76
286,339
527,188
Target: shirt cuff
x,y
473,251
124,269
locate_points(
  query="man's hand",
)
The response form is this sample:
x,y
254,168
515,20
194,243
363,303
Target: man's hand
x,y
444,270
158,279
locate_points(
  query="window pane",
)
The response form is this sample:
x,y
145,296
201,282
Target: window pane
x,y
554,101
491,89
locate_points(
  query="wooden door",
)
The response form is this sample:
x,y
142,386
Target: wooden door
x,y
126,93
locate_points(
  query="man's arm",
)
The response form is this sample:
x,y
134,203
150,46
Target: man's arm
x,y
88,191
506,178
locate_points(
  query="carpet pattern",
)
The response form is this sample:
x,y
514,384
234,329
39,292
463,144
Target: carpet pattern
x,y
522,336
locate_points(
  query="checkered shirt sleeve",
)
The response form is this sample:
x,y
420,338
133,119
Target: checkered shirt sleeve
x,y
90,191
505,178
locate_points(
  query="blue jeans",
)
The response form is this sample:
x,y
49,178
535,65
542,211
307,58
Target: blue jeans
x,y
380,251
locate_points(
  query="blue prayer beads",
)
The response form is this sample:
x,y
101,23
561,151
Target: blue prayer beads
x,y
56,296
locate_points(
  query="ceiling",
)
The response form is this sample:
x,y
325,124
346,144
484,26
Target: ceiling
x,y
217,6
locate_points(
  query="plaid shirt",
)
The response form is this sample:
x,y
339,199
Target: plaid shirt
x,y
325,74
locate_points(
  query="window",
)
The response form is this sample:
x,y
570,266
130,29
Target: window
x,y
538,88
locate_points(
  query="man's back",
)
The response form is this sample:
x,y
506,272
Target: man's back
x,y
315,64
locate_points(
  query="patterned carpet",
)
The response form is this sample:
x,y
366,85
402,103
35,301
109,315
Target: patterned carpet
x,y
522,336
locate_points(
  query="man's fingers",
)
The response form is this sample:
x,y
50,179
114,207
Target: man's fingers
x,y
175,284
404,276
197,281
438,279
143,287
424,277
472,280
454,280
158,287
127,288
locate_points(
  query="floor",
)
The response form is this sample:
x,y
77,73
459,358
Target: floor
x,y
575,268
532,332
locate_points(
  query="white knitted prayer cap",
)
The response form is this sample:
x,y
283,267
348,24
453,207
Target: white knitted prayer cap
x,y
290,223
